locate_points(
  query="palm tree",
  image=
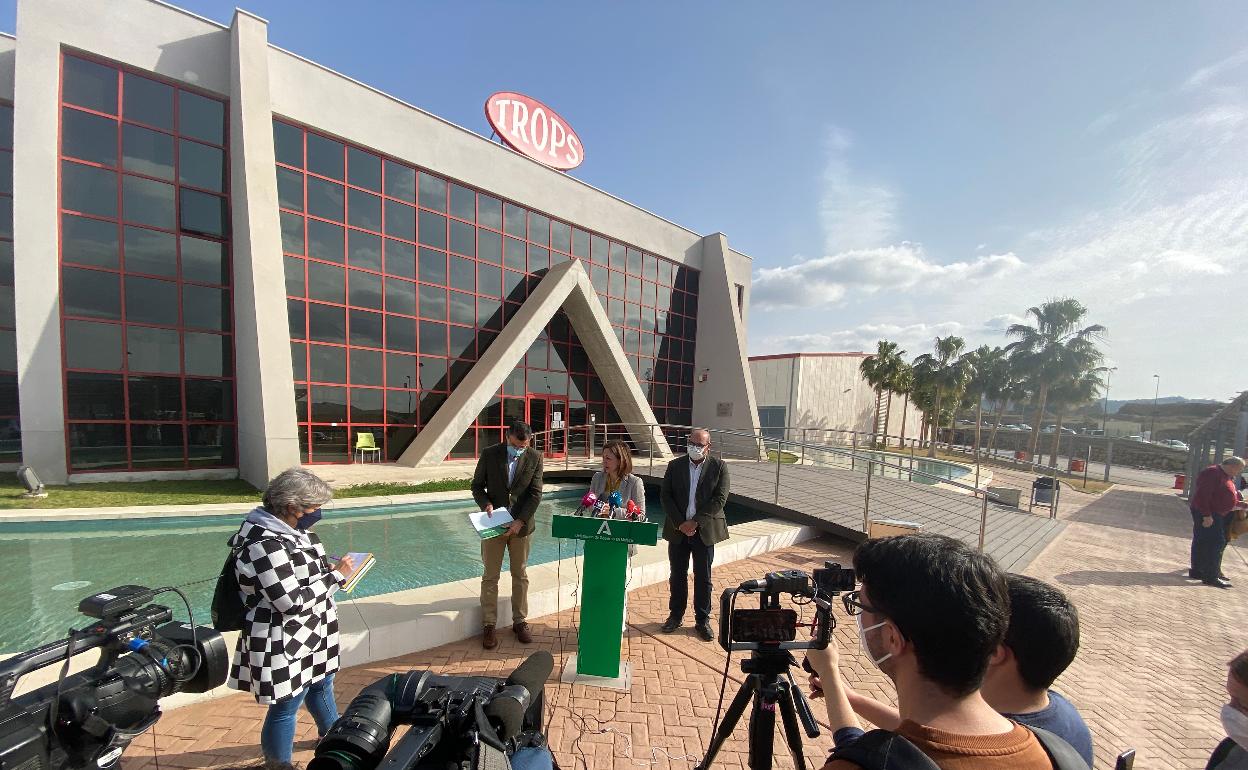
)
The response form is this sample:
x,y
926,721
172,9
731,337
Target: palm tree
x,y
923,391
878,370
1054,349
948,378
1012,389
902,383
987,372
1069,394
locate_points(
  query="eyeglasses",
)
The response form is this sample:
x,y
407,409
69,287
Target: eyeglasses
x,y
854,605
700,446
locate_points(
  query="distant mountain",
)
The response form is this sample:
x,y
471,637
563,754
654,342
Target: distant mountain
x,y
1114,406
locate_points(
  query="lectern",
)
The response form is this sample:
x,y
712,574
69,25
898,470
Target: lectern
x,y
603,576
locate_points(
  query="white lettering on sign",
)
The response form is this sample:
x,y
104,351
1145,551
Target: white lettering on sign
x,y
605,529
533,129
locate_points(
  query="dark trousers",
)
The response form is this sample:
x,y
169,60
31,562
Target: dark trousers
x,y
1208,545
678,554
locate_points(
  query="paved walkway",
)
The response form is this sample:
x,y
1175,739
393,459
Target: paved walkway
x,y
1149,673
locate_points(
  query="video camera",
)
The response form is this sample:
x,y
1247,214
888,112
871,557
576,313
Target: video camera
x,y
772,627
468,722
88,719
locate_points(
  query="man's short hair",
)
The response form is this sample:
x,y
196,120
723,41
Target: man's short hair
x,y
948,600
520,430
1043,632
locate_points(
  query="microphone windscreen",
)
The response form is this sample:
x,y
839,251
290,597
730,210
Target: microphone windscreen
x,y
589,499
505,708
616,499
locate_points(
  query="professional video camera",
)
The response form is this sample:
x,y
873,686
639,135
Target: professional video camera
x,y
770,633
462,722
88,719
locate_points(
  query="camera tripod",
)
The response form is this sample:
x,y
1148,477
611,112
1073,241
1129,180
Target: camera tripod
x,y
769,685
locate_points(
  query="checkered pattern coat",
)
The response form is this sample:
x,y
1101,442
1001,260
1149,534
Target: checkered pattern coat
x,y
290,639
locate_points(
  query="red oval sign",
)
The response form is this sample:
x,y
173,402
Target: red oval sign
x,y
533,129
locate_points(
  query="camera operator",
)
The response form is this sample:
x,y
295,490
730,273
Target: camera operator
x,y
288,649
1041,641
931,612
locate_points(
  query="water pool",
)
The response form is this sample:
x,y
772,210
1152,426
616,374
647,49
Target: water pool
x,y
934,471
53,565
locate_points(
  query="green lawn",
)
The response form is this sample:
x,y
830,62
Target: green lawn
x,y
137,493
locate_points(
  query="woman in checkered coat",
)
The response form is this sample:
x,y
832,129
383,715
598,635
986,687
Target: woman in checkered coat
x,y
287,653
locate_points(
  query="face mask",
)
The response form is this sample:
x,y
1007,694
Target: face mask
x,y
696,453
1235,722
862,640
514,452
308,519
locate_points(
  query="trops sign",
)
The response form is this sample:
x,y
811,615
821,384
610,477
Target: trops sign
x,y
531,128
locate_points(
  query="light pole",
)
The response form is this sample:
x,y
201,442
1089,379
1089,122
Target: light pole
x,y
1152,430
1105,409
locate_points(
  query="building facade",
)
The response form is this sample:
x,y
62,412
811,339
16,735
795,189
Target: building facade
x,y
233,260
822,391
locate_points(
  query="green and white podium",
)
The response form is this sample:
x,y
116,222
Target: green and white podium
x,y
603,577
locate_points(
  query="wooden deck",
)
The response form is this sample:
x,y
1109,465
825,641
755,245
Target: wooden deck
x,y
833,500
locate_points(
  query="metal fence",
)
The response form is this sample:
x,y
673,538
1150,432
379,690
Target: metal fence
x,y
839,471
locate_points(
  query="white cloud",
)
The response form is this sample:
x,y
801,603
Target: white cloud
x,y
854,214
1207,75
914,338
905,267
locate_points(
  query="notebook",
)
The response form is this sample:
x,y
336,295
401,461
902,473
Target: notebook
x,y
363,563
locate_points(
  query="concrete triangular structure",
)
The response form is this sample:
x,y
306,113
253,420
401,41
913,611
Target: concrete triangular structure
x,y
565,286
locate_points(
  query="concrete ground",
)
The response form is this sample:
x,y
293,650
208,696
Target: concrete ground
x,y
1149,675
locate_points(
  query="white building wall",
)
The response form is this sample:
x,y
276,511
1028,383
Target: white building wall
x,y
824,390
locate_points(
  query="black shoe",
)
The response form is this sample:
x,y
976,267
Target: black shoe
x,y
704,631
1194,575
671,624
1217,583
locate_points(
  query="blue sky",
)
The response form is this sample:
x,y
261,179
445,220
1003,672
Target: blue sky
x,y
896,170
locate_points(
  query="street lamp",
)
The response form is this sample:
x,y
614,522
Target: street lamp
x,y
1152,431
1105,409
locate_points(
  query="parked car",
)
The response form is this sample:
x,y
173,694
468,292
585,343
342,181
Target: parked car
x,y
1138,438
1094,432
1174,443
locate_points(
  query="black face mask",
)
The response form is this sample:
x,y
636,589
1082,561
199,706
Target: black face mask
x,y
305,521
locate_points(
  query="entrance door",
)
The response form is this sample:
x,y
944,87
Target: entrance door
x,y
547,416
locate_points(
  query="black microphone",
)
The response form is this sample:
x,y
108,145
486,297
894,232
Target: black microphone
x,y
524,685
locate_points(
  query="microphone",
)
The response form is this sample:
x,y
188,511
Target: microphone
x,y
615,500
601,509
588,501
632,511
525,684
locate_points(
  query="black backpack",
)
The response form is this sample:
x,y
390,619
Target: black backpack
x,y
229,612
886,750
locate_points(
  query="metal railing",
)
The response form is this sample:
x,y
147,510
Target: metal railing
x,y
852,460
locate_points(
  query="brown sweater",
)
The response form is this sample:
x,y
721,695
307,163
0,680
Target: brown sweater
x,y
1015,750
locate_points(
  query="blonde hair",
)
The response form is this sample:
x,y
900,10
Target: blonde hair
x,y
623,454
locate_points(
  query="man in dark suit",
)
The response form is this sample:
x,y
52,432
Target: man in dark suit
x,y
508,475
694,491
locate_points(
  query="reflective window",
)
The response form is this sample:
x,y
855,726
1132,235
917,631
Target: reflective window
x,y
163,369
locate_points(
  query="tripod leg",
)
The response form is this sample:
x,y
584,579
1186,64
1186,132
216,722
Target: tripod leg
x,y
789,715
762,734
734,712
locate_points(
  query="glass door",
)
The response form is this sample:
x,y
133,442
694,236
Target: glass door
x,y
546,416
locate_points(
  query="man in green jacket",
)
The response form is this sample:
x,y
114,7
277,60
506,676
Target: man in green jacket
x,y
508,475
694,491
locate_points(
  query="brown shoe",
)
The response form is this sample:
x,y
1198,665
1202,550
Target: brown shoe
x,y
523,633
489,639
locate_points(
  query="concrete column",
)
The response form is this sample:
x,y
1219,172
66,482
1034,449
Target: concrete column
x,y
36,246
1241,433
268,439
726,399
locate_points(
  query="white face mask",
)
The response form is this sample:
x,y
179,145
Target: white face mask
x,y
696,453
862,640
1235,722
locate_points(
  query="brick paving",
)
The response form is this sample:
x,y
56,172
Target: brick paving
x,y
1149,674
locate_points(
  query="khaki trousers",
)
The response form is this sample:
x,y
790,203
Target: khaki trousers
x,y
492,555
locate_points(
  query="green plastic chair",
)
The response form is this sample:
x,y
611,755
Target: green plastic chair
x,y
365,445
